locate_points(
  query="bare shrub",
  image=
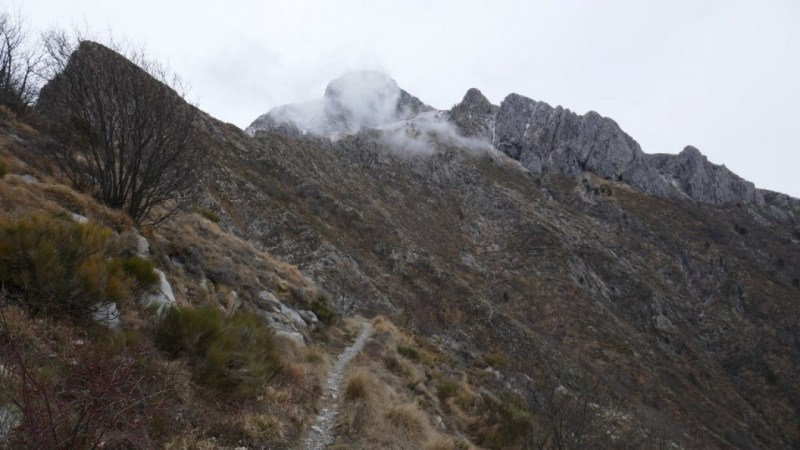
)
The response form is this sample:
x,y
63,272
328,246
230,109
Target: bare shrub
x,y
123,129
19,63
99,397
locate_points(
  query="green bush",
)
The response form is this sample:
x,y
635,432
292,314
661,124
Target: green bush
x,y
231,353
209,214
321,306
142,269
446,389
507,423
60,267
409,352
497,359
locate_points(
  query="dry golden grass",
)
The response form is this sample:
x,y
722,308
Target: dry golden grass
x,y
19,197
202,246
379,406
191,443
275,413
408,418
261,427
440,443
380,324
360,385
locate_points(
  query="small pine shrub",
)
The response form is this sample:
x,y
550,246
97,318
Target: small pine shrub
x,y
209,214
507,424
321,306
234,353
408,352
142,269
497,359
4,169
60,267
446,389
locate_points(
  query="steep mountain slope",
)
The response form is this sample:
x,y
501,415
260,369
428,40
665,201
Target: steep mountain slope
x,y
538,254
668,280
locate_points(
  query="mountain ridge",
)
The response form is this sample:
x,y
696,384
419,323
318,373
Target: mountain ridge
x,y
546,139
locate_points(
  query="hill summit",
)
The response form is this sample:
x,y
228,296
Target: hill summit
x,y
542,138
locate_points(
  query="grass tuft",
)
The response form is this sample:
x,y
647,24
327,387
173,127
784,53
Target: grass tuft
x,y
359,385
408,352
209,214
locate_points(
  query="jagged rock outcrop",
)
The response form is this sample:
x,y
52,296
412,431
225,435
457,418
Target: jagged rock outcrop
x,y
546,139
475,116
703,181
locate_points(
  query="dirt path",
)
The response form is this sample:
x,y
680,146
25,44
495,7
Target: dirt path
x,y
321,433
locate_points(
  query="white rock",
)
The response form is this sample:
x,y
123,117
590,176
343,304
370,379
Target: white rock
x,y
663,324
268,298
142,246
292,316
162,297
30,179
308,316
107,315
10,417
77,217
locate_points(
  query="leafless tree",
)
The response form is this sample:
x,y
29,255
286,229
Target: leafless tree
x,y
19,63
123,129
567,418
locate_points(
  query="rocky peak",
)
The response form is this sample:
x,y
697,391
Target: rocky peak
x,y
543,138
356,100
692,173
690,152
475,115
547,139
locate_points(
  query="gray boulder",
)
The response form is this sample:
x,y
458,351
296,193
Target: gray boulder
x,y
162,296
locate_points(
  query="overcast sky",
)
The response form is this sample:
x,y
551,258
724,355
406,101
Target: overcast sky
x,y
723,76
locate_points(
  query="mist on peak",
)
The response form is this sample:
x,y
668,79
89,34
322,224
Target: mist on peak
x,y
355,100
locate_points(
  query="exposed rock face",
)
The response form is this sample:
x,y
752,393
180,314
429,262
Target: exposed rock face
x,y
162,296
475,116
353,101
546,140
703,181
284,320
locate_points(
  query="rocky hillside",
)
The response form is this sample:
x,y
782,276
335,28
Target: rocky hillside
x,y
667,280
550,284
